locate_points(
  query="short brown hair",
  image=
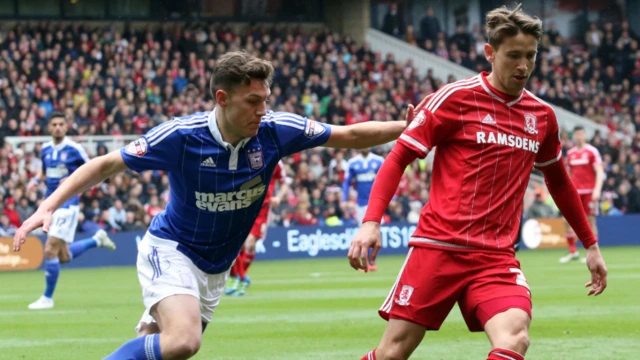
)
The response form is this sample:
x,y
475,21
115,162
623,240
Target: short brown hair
x,y
236,68
502,23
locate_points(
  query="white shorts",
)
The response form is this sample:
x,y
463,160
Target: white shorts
x,y
64,223
360,211
164,271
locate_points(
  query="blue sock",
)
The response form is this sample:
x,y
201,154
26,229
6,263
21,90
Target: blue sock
x,y
51,272
142,348
77,248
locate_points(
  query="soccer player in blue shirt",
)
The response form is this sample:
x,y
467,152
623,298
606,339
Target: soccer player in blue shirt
x,y
61,157
220,164
362,170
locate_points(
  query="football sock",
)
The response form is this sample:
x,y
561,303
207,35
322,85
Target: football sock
x,y
571,240
142,348
504,354
370,356
77,248
51,273
248,259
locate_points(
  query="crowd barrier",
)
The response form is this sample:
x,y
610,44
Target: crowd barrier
x,y
303,242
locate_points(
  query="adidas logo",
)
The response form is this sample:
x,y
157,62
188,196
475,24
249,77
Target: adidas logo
x,y
208,163
488,120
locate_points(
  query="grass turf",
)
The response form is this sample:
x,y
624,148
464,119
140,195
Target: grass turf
x,y
321,309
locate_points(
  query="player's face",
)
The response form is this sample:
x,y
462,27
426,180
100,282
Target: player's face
x,y
579,137
513,61
245,106
58,128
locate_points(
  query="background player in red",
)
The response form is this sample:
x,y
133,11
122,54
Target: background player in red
x,y
239,281
489,132
585,166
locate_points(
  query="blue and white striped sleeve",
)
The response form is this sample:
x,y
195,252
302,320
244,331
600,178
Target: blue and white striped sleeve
x,y
296,133
159,149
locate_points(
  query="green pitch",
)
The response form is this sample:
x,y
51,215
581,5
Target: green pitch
x,y
321,309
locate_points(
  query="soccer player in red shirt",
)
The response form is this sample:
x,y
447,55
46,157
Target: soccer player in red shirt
x,y
489,133
587,173
239,281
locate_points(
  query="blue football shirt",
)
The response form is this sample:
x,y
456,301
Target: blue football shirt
x,y
217,189
363,171
60,161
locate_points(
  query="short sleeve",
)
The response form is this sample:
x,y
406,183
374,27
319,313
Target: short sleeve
x,y
427,131
551,148
294,133
595,157
154,151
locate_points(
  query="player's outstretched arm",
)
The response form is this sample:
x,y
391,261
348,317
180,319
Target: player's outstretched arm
x,y
566,197
365,135
371,133
82,179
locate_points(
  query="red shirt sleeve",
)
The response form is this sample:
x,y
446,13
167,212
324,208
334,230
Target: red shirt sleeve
x,y
387,180
434,123
551,149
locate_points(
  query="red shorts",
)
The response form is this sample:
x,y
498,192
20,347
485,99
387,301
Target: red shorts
x,y
590,207
431,281
259,226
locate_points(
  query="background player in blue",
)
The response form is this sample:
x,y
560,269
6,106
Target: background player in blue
x,y
220,164
362,171
60,158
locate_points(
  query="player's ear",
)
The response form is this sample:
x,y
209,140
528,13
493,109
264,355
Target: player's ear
x,y
222,98
489,53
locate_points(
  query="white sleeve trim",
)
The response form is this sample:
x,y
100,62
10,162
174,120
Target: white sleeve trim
x,y
414,142
549,162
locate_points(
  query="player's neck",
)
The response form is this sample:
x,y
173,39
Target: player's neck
x,y
579,146
496,84
58,141
227,135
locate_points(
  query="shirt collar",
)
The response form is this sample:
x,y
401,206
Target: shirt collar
x,y
215,132
61,145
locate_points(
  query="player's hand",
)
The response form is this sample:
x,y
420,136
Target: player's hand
x,y
41,218
595,196
598,269
275,201
411,110
368,237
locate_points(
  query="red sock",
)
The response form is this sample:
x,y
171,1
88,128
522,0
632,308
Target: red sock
x,y
370,356
571,240
248,259
240,263
504,354
238,267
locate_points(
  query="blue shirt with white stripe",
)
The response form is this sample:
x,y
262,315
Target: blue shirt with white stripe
x,y
60,161
363,171
217,189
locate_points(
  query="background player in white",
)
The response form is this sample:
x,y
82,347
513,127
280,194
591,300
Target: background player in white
x,y
60,158
587,172
220,164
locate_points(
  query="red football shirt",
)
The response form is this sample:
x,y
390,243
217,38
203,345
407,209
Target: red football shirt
x,y
581,162
487,144
279,175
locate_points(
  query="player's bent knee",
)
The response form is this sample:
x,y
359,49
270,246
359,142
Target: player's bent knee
x,y
510,330
52,248
182,347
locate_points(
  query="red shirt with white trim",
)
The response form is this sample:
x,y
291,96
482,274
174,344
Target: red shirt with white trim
x,y
581,163
487,144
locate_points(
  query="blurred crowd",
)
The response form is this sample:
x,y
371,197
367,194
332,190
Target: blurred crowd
x,y
114,82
